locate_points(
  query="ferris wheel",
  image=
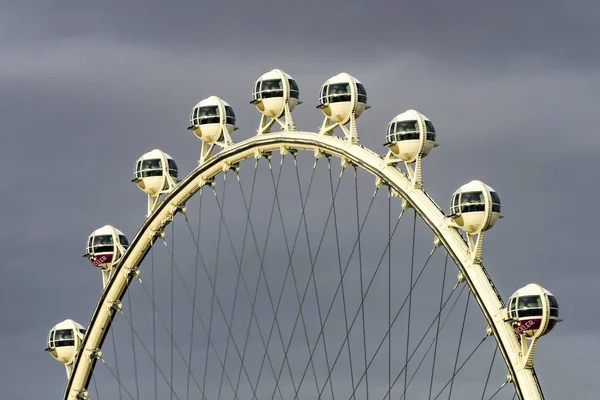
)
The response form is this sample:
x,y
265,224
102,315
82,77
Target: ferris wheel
x,y
273,271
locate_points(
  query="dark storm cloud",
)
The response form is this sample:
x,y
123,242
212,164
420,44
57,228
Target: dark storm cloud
x,y
85,89
449,32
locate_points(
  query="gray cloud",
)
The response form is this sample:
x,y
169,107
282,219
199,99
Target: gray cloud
x,y
86,89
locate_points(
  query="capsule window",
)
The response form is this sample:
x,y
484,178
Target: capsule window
x,y
512,307
530,306
362,93
151,168
103,244
472,202
271,88
294,91
495,202
208,115
339,92
256,94
64,337
430,131
230,115
194,116
406,130
553,306
323,96
454,206
124,242
172,168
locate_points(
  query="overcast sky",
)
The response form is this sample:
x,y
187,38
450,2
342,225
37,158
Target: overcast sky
x,y
87,87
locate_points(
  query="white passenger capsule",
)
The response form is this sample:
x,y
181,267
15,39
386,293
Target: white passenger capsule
x,y
155,172
475,207
105,246
341,97
533,311
64,341
405,135
273,91
211,118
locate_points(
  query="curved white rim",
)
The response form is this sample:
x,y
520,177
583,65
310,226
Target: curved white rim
x,y
482,287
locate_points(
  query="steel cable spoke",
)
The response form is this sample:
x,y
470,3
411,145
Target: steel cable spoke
x,y
237,282
487,379
462,330
437,333
112,332
116,376
193,319
386,335
243,281
290,264
337,291
339,258
261,273
412,267
305,291
459,368
156,367
214,292
442,325
137,386
362,290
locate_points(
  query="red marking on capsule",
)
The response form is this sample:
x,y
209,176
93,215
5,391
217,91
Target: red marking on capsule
x,y
101,259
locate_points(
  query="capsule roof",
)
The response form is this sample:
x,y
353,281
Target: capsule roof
x,y
106,230
408,116
531,290
155,154
475,186
342,78
67,324
212,101
274,74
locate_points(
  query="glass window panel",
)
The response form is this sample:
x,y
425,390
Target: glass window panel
x,y
552,301
530,312
429,127
103,240
495,197
123,240
271,84
209,111
151,164
530,302
339,88
293,85
361,89
229,111
64,343
324,91
472,198
272,93
63,334
407,126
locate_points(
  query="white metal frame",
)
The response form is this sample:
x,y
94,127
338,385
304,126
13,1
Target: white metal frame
x,y
473,273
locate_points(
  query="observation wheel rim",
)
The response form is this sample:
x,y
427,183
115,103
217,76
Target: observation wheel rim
x,y
480,284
